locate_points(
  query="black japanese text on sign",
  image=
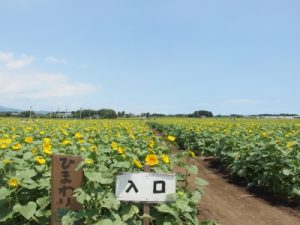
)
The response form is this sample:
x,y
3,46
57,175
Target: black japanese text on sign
x,y
65,179
145,187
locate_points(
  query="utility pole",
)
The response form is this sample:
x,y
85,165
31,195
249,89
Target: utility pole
x,y
52,113
30,111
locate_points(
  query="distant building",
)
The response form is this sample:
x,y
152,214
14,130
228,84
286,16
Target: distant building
x,y
278,117
64,114
15,114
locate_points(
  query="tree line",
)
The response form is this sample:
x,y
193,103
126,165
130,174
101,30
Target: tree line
x,y
102,114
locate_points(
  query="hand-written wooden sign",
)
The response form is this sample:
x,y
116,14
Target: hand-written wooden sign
x,y
65,179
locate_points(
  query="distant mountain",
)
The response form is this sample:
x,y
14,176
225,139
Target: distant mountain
x,y
6,109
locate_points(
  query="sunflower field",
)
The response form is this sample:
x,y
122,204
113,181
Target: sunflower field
x,y
108,147
265,153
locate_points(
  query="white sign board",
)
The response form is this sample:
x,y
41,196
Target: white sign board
x,y
145,187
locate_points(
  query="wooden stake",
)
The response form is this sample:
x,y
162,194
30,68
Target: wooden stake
x,y
146,221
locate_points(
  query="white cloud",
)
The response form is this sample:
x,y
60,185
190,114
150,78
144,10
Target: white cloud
x,y
51,59
40,89
6,56
12,62
41,86
242,101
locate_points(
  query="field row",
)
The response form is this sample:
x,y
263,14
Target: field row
x,y
108,148
264,153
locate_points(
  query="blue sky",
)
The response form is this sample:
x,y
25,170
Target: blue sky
x,y
164,56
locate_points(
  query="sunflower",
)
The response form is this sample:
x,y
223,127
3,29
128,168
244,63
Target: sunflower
x,y
165,158
13,182
171,138
47,148
40,160
17,146
66,142
88,161
114,145
137,163
151,143
28,140
78,135
121,150
151,160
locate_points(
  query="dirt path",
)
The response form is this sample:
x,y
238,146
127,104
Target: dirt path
x,y
229,204
233,205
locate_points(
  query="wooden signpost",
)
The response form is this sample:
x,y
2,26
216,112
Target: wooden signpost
x,y
146,220
64,180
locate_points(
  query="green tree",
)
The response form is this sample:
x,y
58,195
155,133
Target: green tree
x,y
27,114
202,113
107,114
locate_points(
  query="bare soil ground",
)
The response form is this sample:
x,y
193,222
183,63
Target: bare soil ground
x,y
230,204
